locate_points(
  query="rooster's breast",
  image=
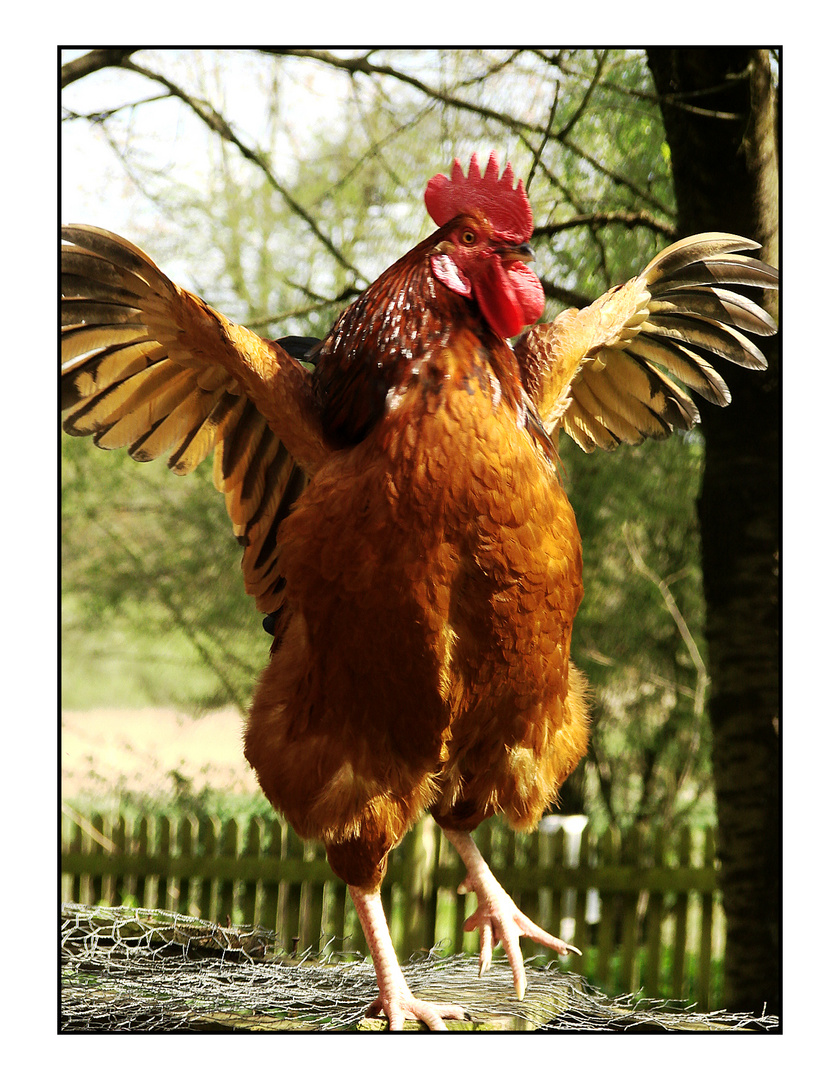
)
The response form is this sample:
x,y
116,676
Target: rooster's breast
x,y
433,573
444,540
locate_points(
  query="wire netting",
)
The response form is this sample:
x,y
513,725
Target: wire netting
x,y
127,969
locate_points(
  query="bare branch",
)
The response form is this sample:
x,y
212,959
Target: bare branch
x,y
95,60
87,826
102,115
217,123
631,218
676,615
537,154
617,178
581,109
565,296
680,100
261,321
360,65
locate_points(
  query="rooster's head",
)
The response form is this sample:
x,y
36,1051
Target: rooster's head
x,y
486,223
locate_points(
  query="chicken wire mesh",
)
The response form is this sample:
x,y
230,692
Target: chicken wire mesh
x,y
127,969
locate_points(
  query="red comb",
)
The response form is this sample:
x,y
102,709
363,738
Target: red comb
x,y
506,206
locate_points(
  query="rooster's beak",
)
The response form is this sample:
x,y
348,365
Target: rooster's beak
x,y
515,252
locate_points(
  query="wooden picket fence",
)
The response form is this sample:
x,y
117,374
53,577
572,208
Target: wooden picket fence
x,y
643,907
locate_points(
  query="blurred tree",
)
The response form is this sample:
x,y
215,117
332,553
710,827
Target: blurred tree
x,y
719,107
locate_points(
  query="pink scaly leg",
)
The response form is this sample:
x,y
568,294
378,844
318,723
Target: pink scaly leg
x,y
497,918
395,999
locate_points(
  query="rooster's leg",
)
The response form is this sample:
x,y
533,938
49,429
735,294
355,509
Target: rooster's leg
x,y
395,999
497,918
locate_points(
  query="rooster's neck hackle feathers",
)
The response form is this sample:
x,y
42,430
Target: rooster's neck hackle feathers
x,y
379,342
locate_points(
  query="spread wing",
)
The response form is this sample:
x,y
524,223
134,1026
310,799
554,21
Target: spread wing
x,y
150,367
606,373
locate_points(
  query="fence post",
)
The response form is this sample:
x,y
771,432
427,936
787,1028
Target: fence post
x,y
681,920
118,838
418,876
253,890
653,918
608,855
227,849
581,926
629,903
704,973
311,902
160,889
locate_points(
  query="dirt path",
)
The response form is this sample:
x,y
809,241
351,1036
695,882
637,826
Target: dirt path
x,y
136,749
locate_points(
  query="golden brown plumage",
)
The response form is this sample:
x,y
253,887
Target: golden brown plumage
x,y
426,579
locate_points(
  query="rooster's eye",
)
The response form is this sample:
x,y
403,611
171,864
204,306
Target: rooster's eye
x,y
468,237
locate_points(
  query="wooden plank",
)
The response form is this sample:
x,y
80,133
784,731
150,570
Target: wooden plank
x,y
678,970
704,967
292,853
185,834
607,878
417,880
269,910
549,855
136,851
653,924
580,897
251,849
335,896
74,848
102,882
354,934
164,853
311,901
631,853
119,840
529,894
431,906
207,843
608,852
226,871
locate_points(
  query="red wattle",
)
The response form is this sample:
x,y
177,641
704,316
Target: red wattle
x,y
510,296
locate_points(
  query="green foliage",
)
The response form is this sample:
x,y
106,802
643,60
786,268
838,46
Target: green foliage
x,y
153,611
179,798
650,745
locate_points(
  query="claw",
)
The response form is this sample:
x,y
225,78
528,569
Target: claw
x,y
401,1006
496,918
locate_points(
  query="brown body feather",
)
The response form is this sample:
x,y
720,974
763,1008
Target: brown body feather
x,y
434,572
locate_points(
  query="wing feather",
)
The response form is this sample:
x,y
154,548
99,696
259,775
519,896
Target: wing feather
x,y
150,367
605,373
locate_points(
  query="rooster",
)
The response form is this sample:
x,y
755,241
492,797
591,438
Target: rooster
x,y
405,530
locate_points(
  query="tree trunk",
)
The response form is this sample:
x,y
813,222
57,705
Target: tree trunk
x,y
719,111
